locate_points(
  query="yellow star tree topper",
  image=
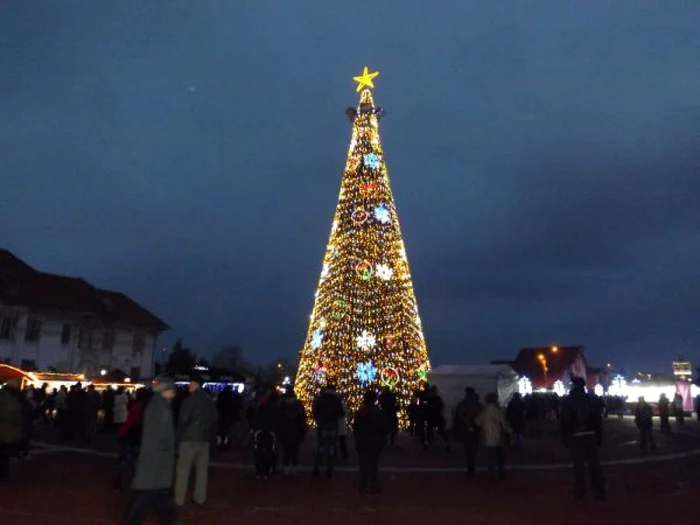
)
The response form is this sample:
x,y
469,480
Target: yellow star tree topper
x,y
364,332
365,79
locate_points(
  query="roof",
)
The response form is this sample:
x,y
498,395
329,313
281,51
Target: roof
x,y
559,363
472,370
22,285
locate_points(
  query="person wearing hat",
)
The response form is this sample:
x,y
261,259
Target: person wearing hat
x,y
196,432
153,481
582,432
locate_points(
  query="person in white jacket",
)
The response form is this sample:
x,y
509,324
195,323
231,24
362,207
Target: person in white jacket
x,y
121,408
496,434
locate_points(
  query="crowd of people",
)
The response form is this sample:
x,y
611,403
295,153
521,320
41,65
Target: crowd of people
x,y
165,433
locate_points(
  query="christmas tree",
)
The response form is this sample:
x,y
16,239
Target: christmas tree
x,y
365,331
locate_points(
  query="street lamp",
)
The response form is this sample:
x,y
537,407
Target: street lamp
x,y
103,372
543,362
555,349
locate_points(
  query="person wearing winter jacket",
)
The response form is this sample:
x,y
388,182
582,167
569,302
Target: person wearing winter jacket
x,y
328,409
582,432
293,428
129,438
370,431
196,432
121,407
644,419
496,433
16,419
465,427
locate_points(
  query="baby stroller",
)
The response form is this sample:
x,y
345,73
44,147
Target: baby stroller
x,y
265,453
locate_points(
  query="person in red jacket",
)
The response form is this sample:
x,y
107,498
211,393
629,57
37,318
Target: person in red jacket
x,y
129,436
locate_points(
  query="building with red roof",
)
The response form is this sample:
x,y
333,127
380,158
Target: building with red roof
x,y
65,324
546,365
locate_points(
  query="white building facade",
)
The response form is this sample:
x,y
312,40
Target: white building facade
x,y
62,324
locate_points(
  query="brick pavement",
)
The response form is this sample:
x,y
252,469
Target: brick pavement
x,y
73,489
65,488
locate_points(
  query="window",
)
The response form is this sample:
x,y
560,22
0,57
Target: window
x,y
108,340
135,373
33,329
138,342
7,327
65,334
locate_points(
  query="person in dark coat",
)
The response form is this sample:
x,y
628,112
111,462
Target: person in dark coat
x,y
16,418
465,427
678,410
92,404
225,408
196,433
369,430
644,419
515,413
664,413
435,417
582,432
153,481
292,431
266,427
390,409
129,438
328,409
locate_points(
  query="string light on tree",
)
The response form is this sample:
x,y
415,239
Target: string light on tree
x,y
365,293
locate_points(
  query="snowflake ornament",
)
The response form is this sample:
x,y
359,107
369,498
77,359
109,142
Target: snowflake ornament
x,y
366,340
316,339
366,372
372,160
324,271
382,214
384,272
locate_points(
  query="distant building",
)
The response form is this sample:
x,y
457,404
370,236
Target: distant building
x,y
65,324
682,369
545,366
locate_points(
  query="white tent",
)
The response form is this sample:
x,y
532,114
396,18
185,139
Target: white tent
x,y
451,380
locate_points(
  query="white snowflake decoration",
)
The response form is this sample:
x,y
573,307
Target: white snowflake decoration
x,y
382,214
384,272
366,372
366,340
324,271
316,339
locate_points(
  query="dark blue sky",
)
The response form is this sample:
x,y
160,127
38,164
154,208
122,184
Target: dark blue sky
x,y
545,159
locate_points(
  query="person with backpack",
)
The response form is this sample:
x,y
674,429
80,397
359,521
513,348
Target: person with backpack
x,y
582,432
465,427
643,418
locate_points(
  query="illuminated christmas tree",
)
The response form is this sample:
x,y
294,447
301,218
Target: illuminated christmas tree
x,y
365,331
